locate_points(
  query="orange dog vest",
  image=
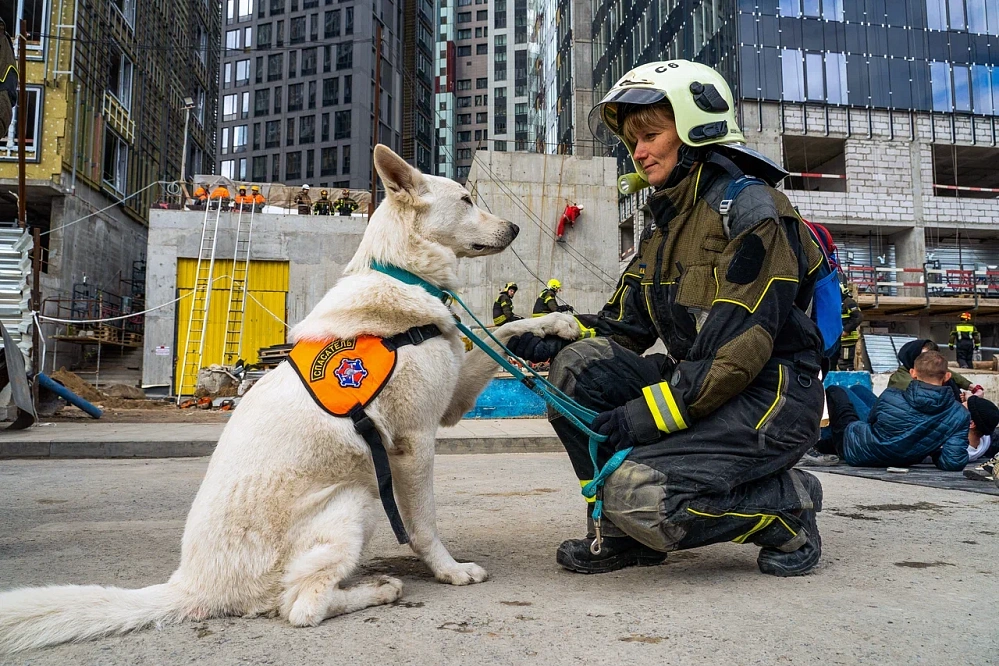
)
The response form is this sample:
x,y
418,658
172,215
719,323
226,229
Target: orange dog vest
x,y
344,374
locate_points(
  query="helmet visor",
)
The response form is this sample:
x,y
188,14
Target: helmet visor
x,y
606,119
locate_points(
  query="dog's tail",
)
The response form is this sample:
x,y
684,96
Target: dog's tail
x,y
34,617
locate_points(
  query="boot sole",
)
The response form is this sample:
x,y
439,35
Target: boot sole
x,y
616,563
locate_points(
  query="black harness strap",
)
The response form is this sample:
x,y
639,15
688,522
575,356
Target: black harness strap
x,y
365,427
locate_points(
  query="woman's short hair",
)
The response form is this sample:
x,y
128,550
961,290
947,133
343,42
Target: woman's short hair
x,y
642,117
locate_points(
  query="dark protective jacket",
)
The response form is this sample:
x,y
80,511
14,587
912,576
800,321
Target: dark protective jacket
x,y
322,207
852,318
546,302
906,426
723,301
345,206
965,332
503,309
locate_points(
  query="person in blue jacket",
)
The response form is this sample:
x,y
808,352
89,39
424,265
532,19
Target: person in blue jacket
x,y
904,427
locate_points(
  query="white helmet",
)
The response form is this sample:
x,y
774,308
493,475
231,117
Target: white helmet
x,y
305,187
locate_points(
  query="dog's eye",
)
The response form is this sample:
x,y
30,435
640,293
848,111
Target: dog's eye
x,y
467,199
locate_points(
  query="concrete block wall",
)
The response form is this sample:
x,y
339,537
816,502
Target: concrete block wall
x,y
316,247
587,264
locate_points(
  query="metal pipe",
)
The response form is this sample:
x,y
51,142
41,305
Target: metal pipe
x,y
183,155
22,126
76,136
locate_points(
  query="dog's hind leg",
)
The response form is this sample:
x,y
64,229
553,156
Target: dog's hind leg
x,y
326,551
413,472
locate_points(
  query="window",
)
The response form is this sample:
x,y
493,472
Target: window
x,y
260,168
115,167
348,21
277,99
296,97
292,64
793,75
464,17
464,137
499,14
482,15
227,168
277,7
293,166
327,161
272,134
296,30
264,36
306,129
347,89
965,166
464,33
242,72
482,83
259,69
227,76
981,90
464,84
341,125
256,136
279,34
327,58
275,63
239,139
261,102
229,107
346,160
331,24
289,132
942,87
312,95
314,29
482,31
120,76
126,7
309,61
481,49
344,55
8,142
464,119
499,146
464,154
232,40
325,123
275,168
331,91
465,51
481,117
815,155
464,102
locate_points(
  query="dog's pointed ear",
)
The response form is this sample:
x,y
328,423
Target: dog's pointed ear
x,y
401,180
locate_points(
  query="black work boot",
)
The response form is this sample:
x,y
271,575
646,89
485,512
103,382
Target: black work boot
x,y
801,554
615,553
617,550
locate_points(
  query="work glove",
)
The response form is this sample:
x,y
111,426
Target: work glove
x,y
616,426
534,349
565,308
951,346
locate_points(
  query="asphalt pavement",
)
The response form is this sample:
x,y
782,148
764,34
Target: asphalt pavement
x,y
908,577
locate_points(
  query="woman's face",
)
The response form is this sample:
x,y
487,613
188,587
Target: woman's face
x,y
656,150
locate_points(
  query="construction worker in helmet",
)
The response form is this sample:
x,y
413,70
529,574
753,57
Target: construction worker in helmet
x,y
258,199
324,206
712,429
200,197
547,300
966,338
503,306
852,318
243,200
345,205
303,201
219,197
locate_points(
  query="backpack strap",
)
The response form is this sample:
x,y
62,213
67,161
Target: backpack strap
x,y
734,189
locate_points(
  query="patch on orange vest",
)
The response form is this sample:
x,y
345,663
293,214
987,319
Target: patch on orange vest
x,y
341,374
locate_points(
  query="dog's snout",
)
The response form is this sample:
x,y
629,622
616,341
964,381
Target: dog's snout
x,y
514,229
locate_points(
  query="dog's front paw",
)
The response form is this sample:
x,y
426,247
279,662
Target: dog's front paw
x,y
560,325
465,573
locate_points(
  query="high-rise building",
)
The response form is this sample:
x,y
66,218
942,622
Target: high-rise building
x,y
418,84
488,58
106,85
883,111
297,89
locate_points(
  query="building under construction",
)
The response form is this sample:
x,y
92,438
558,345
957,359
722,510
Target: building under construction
x,y
106,83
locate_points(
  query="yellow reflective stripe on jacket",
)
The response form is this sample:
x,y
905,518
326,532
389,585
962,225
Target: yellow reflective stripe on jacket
x,y
499,321
664,408
765,519
853,336
773,405
963,328
758,301
585,331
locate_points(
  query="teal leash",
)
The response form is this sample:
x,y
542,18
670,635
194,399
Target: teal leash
x,y
580,417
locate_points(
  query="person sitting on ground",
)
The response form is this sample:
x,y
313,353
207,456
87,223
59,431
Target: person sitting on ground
x,y
982,442
903,426
907,355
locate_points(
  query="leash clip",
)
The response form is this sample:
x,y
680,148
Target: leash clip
x,y
597,544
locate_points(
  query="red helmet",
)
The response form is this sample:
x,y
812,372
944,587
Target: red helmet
x,y
965,316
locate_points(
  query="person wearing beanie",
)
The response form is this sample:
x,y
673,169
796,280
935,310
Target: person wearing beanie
x,y
983,444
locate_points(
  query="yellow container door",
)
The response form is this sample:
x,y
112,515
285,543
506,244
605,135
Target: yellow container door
x,y
267,289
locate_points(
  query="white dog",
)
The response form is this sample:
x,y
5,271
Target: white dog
x,y
290,497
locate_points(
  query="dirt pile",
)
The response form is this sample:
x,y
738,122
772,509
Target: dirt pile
x,y
88,392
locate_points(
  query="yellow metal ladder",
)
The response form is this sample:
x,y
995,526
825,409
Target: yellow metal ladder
x,y
233,346
194,344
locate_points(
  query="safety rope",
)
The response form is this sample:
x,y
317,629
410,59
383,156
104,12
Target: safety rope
x,y
578,415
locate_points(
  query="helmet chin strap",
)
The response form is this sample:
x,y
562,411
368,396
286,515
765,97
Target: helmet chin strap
x,y
687,156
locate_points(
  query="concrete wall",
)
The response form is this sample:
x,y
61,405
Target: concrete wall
x,y
505,183
317,248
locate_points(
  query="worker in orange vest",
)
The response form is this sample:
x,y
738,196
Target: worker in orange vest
x,y
220,194
200,196
258,199
243,200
